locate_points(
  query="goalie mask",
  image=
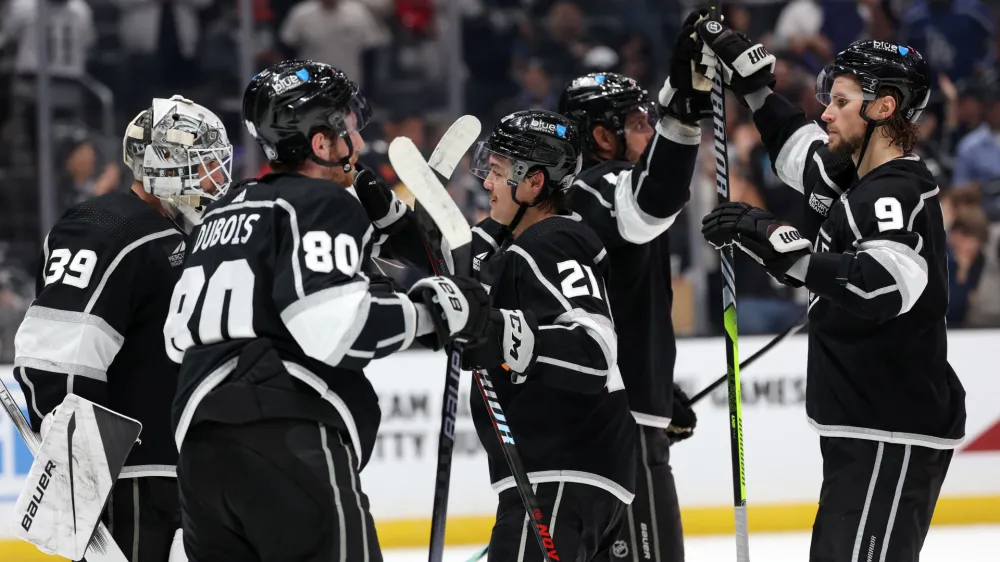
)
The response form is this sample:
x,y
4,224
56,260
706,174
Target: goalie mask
x,y
189,155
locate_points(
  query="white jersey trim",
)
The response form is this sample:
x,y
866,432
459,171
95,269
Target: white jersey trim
x,y
573,476
149,470
118,259
320,386
206,385
74,343
650,420
904,264
900,438
327,323
791,162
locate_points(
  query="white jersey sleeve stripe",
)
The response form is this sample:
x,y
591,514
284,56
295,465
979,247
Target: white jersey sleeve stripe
x,y
791,161
293,223
74,343
541,278
326,323
905,265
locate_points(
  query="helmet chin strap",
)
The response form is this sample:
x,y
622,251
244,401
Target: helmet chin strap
x,y
869,131
344,162
184,211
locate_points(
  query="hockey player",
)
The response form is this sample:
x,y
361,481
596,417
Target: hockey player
x,y
551,350
636,175
95,328
880,392
273,321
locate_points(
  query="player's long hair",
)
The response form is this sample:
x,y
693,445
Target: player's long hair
x,y
897,128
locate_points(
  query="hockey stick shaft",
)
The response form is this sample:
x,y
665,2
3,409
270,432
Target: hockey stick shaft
x,y
787,333
102,547
729,317
521,481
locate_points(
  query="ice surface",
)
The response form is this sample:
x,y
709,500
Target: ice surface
x,y
979,543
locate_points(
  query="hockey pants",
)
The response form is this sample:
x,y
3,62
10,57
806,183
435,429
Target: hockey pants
x,y
143,515
582,521
652,528
274,490
876,501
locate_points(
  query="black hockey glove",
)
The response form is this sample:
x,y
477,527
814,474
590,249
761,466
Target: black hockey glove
x,y
684,420
747,67
509,342
757,233
384,209
459,307
686,95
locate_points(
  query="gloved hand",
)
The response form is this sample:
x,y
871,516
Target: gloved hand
x,y
509,341
380,203
757,233
686,95
747,67
458,307
684,420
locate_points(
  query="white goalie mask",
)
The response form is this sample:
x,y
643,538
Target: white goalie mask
x,y
188,155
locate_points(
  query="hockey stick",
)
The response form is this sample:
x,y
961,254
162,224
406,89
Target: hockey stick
x,y
729,315
425,186
102,547
415,175
787,333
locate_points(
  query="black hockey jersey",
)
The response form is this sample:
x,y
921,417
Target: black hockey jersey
x,y
878,348
273,316
630,209
570,420
96,326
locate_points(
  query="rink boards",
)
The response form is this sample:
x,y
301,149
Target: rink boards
x,y
783,465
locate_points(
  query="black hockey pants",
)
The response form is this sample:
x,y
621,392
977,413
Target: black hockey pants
x,y
143,515
274,490
583,522
876,501
652,528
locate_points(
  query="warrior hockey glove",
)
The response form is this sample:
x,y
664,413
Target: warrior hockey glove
x,y
757,233
686,95
459,308
684,420
746,67
509,341
384,209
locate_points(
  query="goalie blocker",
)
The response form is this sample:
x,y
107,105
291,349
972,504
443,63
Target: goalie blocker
x,y
83,450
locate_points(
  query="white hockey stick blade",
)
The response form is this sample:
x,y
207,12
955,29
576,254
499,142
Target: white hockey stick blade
x,y
419,178
454,144
102,547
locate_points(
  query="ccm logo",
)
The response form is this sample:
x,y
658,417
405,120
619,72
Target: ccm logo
x,y
36,499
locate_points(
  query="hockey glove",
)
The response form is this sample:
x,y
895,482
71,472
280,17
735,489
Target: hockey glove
x,y
686,95
509,342
684,420
459,308
757,233
384,209
746,67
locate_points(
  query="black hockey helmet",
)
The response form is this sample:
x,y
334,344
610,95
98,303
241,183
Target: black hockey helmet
x,y
878,64
532,140
604,98
285,105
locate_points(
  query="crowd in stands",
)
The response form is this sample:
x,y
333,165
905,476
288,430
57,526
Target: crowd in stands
x,y
409,56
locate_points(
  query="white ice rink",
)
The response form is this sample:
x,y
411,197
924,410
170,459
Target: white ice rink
x,y
979,543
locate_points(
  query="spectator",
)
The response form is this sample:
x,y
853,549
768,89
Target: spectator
x,y
71,37
955,36
78,181
562,45
336,32
536,88
966,239
978,158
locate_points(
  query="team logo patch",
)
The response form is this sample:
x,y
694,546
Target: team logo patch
x,y
620,549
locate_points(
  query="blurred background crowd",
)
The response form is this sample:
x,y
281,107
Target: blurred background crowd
x,y
422,63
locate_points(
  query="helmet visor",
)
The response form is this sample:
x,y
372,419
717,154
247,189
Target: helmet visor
x,y
826,93
354,117
645,121
487,164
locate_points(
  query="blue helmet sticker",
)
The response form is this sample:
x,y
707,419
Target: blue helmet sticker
x,y
561,130
903,50
303,74
600,78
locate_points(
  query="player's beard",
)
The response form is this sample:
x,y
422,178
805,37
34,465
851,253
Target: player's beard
x,y
847,145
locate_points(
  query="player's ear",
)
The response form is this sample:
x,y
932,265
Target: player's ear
x,y
604,139
321,145
536,181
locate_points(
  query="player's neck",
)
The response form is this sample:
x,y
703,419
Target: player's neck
x,y
531,216
149,198
879,152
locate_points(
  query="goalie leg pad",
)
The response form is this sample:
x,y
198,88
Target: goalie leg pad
x,y
75,468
